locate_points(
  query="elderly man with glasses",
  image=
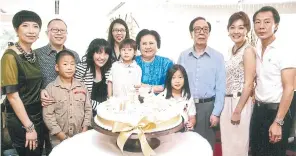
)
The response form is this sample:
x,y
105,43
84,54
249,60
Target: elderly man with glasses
x,y
206,73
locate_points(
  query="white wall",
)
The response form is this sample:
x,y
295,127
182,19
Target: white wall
x,y
172,23
88,19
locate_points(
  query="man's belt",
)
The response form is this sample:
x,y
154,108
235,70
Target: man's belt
x,y
204,100
238,94
273,106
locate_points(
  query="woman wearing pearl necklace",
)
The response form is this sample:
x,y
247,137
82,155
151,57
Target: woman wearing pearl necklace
x,y
21,82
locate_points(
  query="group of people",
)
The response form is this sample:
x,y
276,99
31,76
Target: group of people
x,y
52,94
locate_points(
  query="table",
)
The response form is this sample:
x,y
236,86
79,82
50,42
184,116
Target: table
x,y
95,143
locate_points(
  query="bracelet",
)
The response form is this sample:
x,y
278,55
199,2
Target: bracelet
x,y
30,128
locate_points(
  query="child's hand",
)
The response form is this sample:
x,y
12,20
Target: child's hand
x,y
61,136
137,86
145,85
189,125
84,129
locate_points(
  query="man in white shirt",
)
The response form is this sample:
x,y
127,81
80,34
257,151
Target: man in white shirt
x,y
275,68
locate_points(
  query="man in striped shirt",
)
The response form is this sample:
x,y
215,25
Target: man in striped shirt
x,y
57,35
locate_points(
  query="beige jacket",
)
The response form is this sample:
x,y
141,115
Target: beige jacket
x,y
72,109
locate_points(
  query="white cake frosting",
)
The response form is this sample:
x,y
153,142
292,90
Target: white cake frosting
x,y
164,113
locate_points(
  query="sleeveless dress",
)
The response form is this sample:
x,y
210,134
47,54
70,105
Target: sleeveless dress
x,y
235,138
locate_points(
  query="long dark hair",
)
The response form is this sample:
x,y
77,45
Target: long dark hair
x,y
111,39
96,46
168,83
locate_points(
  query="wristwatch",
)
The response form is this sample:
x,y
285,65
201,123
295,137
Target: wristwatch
x,y
280,122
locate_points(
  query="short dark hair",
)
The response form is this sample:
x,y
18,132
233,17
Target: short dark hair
x,y
240,16
128,42
275,13
111,39
96,46
63,53
56,19
25,16
168,83
145,32
196,19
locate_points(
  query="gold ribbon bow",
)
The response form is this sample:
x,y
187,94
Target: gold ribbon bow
x,y
127,129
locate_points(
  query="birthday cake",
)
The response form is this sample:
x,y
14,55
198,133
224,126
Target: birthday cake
x,y
164,114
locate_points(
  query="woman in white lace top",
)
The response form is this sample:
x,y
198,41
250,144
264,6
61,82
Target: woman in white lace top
x,y
240,74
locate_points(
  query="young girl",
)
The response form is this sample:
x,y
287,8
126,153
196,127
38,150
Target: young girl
x,y
177,88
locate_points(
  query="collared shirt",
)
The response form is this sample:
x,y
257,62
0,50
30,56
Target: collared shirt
x,y
124,77
72,109
276,57
206,75
46,57
187,106
154,73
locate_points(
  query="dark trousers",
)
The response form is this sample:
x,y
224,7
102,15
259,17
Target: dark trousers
x,y
202,126
293,105
261,120
47,143
18,134
293,112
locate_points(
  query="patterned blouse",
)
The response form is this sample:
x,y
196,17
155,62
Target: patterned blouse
x,y
154,73
235,71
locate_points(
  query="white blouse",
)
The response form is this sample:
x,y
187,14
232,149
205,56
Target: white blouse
x,y
188,105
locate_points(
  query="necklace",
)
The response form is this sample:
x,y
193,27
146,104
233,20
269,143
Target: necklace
x,y
235,51
31,58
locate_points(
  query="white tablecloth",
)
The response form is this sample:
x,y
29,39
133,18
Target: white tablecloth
x,y
95,143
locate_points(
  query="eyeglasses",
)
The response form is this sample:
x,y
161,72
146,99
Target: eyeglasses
x,y
204,29
118,30
56,30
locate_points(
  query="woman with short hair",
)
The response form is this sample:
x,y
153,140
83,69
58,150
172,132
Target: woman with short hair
x,y
240,74
154,67
21,81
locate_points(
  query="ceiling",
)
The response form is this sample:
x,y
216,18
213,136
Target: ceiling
x,y
75,7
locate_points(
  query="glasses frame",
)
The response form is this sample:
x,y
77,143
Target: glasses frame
x,y
56,30
195,30
119,30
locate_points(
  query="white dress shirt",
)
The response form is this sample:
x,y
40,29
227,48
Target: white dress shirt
x,y
276,57
187,105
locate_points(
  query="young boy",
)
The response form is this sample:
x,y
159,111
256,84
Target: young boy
x,y
125,74
71,113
